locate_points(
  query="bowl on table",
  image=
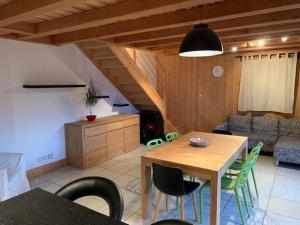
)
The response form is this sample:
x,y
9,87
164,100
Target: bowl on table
x,y
198,142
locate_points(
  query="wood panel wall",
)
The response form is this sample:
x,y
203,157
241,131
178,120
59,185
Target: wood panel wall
x,y
201,101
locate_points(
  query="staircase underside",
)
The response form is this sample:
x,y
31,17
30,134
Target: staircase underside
x,y
107,60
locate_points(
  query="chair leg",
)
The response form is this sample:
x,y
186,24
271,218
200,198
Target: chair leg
x,y
254,180
250,194
202,188
195,206
167,203
245,200
182,207
157,207
177,203
239,205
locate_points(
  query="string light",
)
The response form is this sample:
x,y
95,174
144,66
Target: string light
x,y
234,49
261,43
284,39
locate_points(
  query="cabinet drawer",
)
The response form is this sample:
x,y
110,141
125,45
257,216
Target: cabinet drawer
x,y
94,158
131,137
95,143
115,143
131,122
95,150
92,131
115,126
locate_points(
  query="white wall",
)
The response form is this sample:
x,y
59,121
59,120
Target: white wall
x,y
32,121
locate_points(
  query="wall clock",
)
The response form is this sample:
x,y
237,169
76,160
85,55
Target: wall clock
x,y
218,71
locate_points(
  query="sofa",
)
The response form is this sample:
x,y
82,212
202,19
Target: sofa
x,y
280,136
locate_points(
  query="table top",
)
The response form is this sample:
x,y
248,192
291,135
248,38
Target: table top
x,y
38,207
219,152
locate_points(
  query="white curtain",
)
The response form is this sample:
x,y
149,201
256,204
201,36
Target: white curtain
x,y
268,82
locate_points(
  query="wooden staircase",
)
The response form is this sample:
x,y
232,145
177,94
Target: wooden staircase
x,y
119,67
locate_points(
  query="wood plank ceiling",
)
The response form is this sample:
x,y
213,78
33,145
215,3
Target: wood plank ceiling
x,y
154,25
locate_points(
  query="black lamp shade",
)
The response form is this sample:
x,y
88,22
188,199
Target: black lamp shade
x,y
201,42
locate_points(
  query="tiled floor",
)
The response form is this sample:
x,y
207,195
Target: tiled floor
x,y
279,202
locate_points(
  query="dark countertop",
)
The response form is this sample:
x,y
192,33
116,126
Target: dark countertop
x,y
38,207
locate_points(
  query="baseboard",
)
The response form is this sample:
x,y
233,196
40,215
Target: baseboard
x,y
45,169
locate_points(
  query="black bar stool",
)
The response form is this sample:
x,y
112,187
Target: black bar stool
x,y
172,222
97,186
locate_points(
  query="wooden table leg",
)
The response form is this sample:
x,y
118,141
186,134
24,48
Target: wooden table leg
x,y
215,206
146,190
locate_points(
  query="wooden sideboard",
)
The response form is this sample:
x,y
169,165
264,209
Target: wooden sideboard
x,y
90,143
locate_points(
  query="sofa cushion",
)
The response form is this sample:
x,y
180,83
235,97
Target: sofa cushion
x,y
253,139
289,127
264,138
287,149
265,125
238,123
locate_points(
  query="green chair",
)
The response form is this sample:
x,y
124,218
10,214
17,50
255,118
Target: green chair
x,y
171,136
234,182
154,143
238,164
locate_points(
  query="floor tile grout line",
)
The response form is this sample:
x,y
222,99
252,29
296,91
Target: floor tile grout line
x,y
270,195
285,216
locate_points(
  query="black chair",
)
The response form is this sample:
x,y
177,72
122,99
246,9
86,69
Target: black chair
x,y
97,186
170,182
216,131
172,222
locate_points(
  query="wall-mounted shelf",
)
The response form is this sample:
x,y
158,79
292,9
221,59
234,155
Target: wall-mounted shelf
x,y
101,96
53,85
121,105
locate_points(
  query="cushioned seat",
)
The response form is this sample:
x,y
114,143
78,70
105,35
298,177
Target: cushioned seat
x,y
287,149
190,186
252,139
281,136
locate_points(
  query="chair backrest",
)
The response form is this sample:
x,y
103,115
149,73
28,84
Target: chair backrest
x,y
256,150
168,180
154,143
216,131
171,136
171,222
96,186
248,164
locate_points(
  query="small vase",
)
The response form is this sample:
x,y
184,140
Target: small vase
x,y
91,118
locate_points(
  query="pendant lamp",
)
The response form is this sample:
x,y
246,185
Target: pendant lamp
x,y
201,42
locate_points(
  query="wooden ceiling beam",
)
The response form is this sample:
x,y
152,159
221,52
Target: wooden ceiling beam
x,y
282,17
13,36
258,37
274,41
20,28
230,40
288,46
4,32
120,11
214,12
268,47
20,10
260,31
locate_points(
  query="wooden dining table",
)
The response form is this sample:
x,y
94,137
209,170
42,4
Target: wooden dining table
x,y
207,163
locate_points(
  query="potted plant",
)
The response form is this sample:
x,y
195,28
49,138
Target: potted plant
x,y
90,99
